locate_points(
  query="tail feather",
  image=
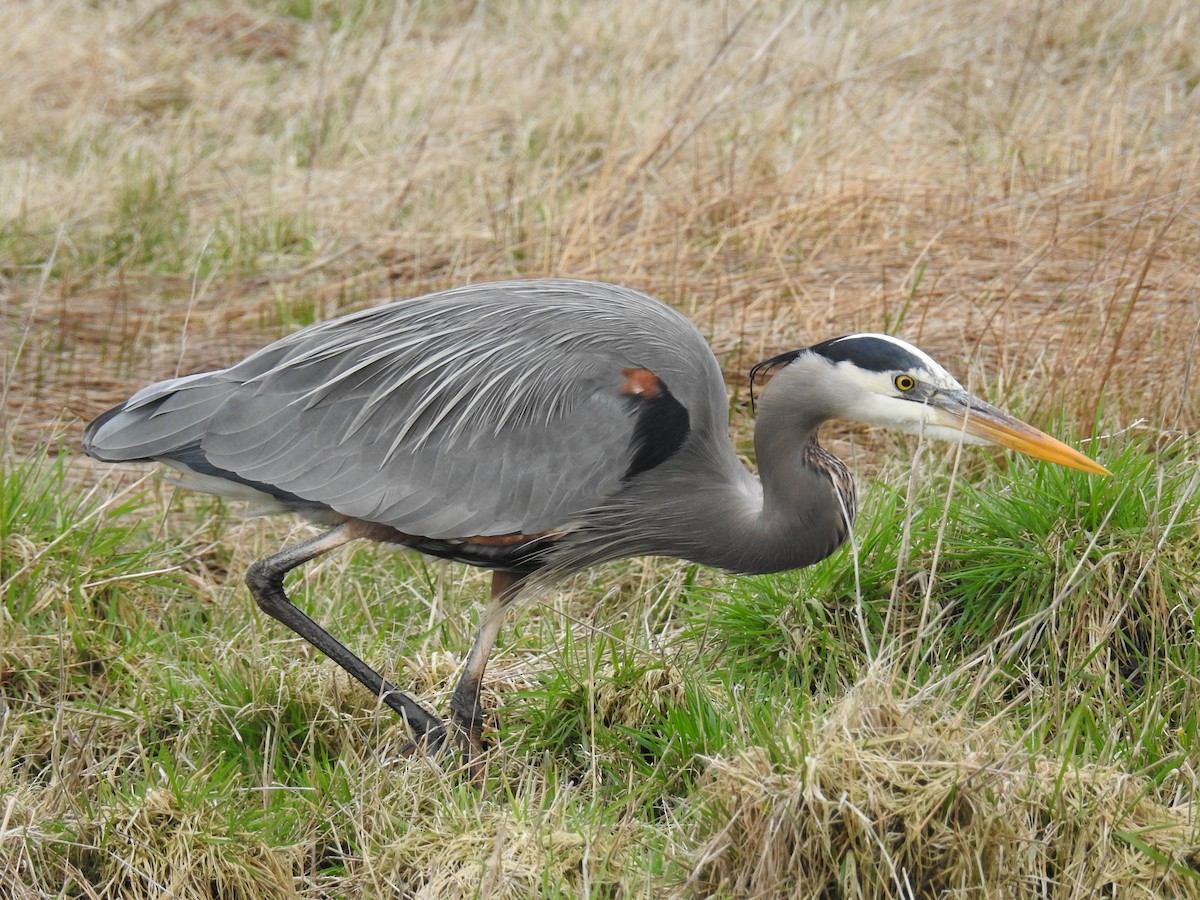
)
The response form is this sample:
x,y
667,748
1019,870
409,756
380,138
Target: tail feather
x,y
162,421
166,422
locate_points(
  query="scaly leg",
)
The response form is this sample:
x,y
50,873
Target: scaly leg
x,y
265,578
466,711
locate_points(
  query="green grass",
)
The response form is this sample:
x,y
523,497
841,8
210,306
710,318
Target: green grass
x,y
159,731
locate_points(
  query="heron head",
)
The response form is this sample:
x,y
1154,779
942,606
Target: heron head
x,y
881,380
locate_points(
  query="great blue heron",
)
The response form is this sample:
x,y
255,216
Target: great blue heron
x,y
535,426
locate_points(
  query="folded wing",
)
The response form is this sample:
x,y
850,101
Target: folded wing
x,y
488,410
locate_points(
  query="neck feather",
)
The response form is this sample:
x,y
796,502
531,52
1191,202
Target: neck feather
x,y
704,506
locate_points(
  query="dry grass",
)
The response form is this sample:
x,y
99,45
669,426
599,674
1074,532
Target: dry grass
x,y
1014,187
890,798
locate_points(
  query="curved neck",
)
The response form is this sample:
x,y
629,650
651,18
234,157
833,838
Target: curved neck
x,y
704,506
808,501
807,495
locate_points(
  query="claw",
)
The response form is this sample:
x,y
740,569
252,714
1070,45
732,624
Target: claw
x,y
434,743
431,743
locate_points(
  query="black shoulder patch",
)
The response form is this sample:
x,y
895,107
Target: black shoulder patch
x,y
868,352
662,423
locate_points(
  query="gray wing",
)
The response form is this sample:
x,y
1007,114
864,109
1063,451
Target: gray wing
x,y
493,409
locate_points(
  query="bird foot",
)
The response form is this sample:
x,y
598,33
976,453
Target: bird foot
x,y
431,743
469,737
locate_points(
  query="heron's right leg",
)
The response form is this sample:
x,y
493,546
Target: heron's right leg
x,y
265,578
466,709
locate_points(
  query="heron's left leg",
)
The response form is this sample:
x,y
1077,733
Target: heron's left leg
x,y
466,710
265,578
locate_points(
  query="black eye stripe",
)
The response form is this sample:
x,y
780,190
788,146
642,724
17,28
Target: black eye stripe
x,y
869,352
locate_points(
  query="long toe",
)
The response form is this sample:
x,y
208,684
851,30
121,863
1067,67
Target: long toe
x,y
470,741
468,730
432,743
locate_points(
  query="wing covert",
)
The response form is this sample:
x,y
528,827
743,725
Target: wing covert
x,y
483,411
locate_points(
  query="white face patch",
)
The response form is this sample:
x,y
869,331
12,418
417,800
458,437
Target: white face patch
x,y
878,380
874,379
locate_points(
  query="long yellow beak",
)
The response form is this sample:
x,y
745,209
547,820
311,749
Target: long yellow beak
x,y
982,421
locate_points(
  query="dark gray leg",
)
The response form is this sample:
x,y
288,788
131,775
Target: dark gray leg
x,y
265,579
466,710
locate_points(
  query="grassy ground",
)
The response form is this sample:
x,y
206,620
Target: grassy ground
x,y
994,692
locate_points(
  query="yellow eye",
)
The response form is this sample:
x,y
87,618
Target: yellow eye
x,y
905,382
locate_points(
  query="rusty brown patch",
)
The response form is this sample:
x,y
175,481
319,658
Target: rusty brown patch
x,y
641,383
508,540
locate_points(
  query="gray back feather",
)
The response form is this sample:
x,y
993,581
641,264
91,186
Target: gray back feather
x,y
484,410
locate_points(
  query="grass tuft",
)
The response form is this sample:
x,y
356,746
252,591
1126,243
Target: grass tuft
x,y
899,798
